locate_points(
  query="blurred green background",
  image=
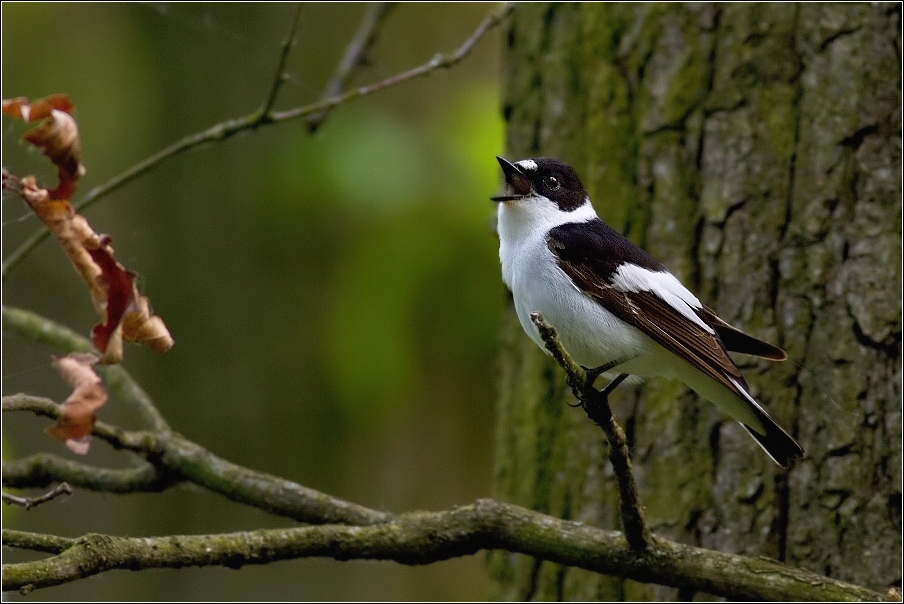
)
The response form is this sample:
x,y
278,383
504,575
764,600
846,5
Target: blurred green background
x,y
334,298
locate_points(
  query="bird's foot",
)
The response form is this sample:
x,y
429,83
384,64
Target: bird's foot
x,y
588,392
595,372
596,402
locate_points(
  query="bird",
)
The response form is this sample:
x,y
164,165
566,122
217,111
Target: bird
x,y
617,310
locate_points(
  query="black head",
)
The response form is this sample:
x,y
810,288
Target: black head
x,y
543,176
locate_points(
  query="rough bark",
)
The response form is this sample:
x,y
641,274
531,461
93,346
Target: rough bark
x,y
756,150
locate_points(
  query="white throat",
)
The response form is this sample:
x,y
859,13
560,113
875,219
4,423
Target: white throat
x,y
533,216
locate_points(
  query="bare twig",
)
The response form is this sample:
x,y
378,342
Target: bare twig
x,y
280,77
30,502
425,537
355,55
596,405
439,61
230,128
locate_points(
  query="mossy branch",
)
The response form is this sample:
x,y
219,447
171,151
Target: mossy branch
x,y
36,541
43,469
426,537
179,459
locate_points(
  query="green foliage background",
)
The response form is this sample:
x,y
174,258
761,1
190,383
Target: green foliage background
x,y
334,298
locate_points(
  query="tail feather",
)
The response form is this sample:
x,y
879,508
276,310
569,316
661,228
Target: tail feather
x,y
777,443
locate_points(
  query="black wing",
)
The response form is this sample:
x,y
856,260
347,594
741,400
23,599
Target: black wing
x,y
599,248
591,253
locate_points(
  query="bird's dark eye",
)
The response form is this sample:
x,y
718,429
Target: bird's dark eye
x,y
552,183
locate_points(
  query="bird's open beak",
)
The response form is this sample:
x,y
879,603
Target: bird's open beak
x,y
515,181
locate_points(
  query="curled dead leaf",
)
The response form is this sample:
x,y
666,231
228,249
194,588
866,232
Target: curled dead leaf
x,y
77,415
127,314
112,291
141,326
57,136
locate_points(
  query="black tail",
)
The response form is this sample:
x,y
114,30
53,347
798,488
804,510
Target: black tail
x,y
777,443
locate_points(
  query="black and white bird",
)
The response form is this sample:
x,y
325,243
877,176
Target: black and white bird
x,y
614,306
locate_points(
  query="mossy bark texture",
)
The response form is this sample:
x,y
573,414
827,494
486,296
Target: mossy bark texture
x,y
755,149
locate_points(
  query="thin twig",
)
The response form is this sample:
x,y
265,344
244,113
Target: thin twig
x,y
230,128
30,502
439,61
280,77
355,55
597,408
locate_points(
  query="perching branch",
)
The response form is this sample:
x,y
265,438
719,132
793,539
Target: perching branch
x,y
425,537
596,405
355,55
230,128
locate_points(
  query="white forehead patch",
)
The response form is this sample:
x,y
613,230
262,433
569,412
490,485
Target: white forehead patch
x,y
527,164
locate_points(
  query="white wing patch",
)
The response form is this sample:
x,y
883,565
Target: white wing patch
x,y
632,278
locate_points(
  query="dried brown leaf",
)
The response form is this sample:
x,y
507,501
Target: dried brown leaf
x,y
124,312
141,326
17,108
116,288
57,136
77,415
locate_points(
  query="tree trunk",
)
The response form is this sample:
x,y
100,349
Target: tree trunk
x,y
755,149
